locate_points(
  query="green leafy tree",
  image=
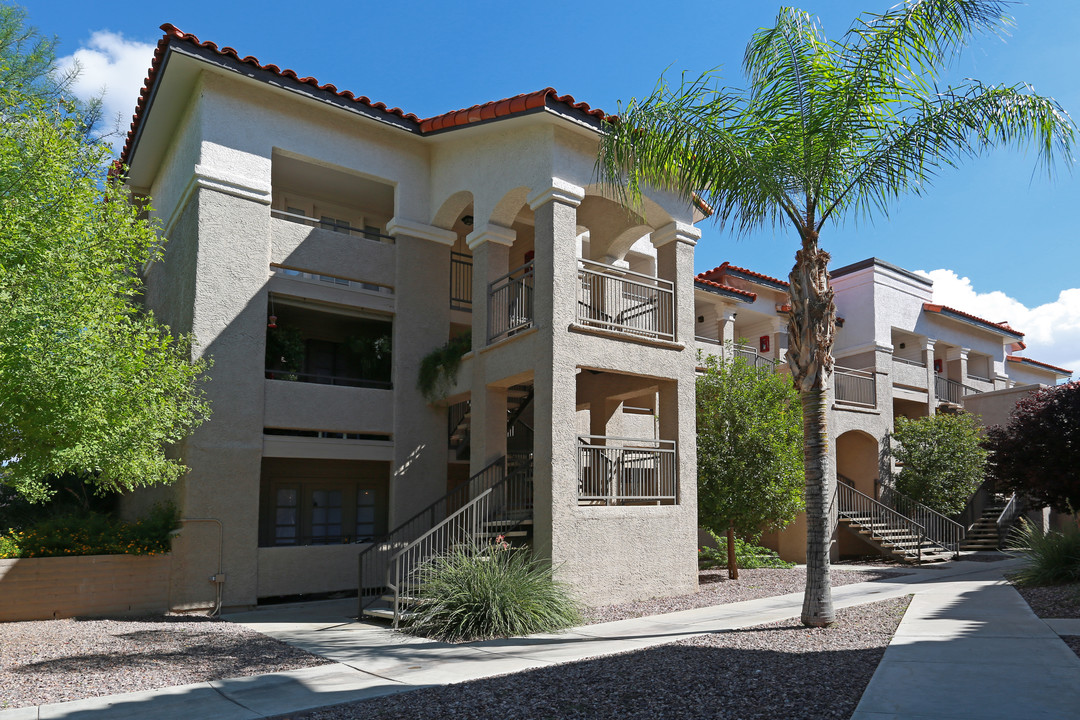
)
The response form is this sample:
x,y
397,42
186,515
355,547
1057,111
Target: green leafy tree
x,y
749,450
827,129
943,460
91,385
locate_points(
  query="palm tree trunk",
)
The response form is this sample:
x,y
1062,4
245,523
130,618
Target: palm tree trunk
x,y
811,329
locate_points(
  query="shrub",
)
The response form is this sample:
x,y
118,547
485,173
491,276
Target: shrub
x,y
438,369
92,533
481,593
1053,557
943,463
748,555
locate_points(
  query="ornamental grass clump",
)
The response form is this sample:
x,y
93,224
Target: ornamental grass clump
x,y
473,593
1053,557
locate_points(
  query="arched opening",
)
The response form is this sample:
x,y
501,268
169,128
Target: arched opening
x,y
857,461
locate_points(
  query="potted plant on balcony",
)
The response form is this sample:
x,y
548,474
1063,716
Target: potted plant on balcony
x,y
285,351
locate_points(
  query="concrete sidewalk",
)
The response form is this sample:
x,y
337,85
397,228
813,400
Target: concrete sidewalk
x,y
974,649
369,661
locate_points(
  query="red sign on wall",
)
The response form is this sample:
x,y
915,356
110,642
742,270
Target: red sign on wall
x,y
763,343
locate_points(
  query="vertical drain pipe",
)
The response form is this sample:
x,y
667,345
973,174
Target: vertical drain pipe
x,y
219,577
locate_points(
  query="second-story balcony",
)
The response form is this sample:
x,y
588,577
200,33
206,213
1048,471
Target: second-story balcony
x,y
620,300
855,387
952,391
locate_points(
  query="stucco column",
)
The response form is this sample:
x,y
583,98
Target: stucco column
x,y
961,355
421,324
674,244
487,429
229,252
490,245
727,332
555,399
931,389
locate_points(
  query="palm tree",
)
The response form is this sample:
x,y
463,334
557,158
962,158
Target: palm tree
x,y
827,129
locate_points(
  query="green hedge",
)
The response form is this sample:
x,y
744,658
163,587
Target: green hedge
x,y
91,533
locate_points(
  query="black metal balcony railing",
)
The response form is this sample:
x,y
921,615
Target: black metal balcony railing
x,y
613,298
510,303
461,272
319,379
952,391
855,387
624,471
367,232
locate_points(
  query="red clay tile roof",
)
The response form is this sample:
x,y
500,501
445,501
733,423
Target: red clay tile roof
x,y
721,270
726,288
457,118
1002,327
502,108
171,31
1029,361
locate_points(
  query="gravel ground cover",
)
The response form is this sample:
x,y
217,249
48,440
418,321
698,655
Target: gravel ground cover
x,y
1073,641
48,661
1053,601
717,589
779,670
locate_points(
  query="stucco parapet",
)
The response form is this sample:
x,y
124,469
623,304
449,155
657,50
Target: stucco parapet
x,y
490,232
682,232
410,228
855,409
562,191
637,340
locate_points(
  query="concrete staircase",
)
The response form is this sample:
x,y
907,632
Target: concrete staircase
x,y
890,532
983,534
900,543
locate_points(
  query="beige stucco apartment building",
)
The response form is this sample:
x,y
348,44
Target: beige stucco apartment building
x,y
320,245
897,355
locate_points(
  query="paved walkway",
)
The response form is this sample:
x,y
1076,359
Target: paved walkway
x,y
968,647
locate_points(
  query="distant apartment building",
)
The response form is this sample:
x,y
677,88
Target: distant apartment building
x,y
897,354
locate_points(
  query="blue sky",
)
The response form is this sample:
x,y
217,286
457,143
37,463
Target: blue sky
x,y
994,236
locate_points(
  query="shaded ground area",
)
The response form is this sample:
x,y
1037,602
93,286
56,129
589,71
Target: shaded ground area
x,y
717,589
779,670
48,661
1053,601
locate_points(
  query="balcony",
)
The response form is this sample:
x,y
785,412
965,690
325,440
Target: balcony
x,y
623,301
626,471
367,232
510,303
951,391
909,373
855,387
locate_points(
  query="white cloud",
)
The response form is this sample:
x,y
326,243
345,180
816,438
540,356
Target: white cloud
x,y
1051,331
114,67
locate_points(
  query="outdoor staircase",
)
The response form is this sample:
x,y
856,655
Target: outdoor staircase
x,y
894,533
490,505
518,431
986,533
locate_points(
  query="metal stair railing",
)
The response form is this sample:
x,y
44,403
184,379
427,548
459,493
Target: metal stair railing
x,y
374,560
940,530
877,517
510,499
1013,510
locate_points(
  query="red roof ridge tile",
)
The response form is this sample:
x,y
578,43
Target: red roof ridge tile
x,y
1021,359
935,307
721,269
506,106
173,32
729,288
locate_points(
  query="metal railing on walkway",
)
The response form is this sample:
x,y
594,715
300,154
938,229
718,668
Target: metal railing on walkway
x,y
620,300
461,274
510,303
620,471
855,387
952,391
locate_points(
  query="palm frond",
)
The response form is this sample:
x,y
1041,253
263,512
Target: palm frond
x,y
945,128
